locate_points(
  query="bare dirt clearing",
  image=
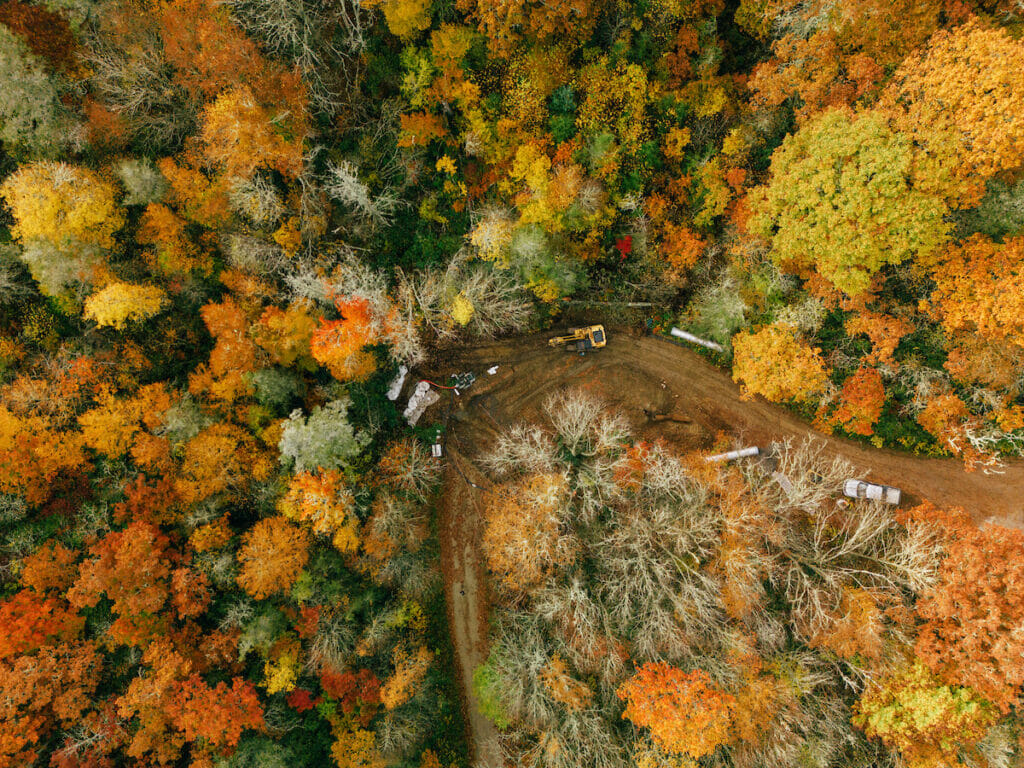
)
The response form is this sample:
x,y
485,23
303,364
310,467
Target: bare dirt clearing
x,y
665,391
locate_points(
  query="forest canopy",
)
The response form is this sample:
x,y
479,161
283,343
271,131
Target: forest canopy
x,y
225,226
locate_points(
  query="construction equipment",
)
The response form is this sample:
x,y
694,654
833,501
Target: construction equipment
x,y
581,340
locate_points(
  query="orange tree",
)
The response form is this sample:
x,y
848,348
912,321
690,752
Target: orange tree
x,y
685,712
970,635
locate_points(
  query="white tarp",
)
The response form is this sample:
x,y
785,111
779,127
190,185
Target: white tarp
x,y
396,385
422,398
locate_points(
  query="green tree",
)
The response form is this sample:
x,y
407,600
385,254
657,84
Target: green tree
x,y
842,199
913,711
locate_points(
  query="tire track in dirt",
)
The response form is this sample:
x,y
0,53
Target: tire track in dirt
x,y
665,391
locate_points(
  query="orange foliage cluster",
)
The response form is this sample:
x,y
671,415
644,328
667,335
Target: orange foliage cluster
x,y
272,556
339,344
980,287
132,568
410,669
33,453
52,687
815,71
31,622
970,615
860,402
685,712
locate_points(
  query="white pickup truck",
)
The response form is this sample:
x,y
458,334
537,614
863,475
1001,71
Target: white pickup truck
x,y
861,489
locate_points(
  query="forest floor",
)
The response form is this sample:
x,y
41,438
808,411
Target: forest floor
x,y
664,391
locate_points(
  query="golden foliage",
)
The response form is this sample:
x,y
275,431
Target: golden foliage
x,y
323,501
62,203
962,98
563,687
776,363
523,537
241,135
119,304
410,669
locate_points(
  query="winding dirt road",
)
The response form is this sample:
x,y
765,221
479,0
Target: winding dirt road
x,y
665,391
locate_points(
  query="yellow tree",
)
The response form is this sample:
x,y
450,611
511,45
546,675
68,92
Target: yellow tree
x,y
961,98
62,204
776,363
285,335
110,427
928,721
119,304
220,458
64,216
405,18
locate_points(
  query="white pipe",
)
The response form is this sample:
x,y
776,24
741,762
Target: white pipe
x,y
696,340
730,455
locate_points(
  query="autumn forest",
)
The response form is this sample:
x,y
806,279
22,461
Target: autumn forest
x,y
228,227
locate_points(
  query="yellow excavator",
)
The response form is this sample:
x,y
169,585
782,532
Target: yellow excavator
x,y
581,340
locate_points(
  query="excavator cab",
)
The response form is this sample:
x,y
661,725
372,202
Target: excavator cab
x,y
581,340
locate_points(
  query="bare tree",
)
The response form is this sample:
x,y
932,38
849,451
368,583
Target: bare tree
x,y
129,70
521,449
652,580
342,183
324,40
500,303
257,200
576,739
575,416
333,644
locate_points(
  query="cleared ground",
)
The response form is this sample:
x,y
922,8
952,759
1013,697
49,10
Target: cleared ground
x,y
665,391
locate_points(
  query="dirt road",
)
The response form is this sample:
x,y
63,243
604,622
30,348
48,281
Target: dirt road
x,y
665,391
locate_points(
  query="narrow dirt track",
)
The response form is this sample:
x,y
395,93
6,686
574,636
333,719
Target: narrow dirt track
x,y
665,391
